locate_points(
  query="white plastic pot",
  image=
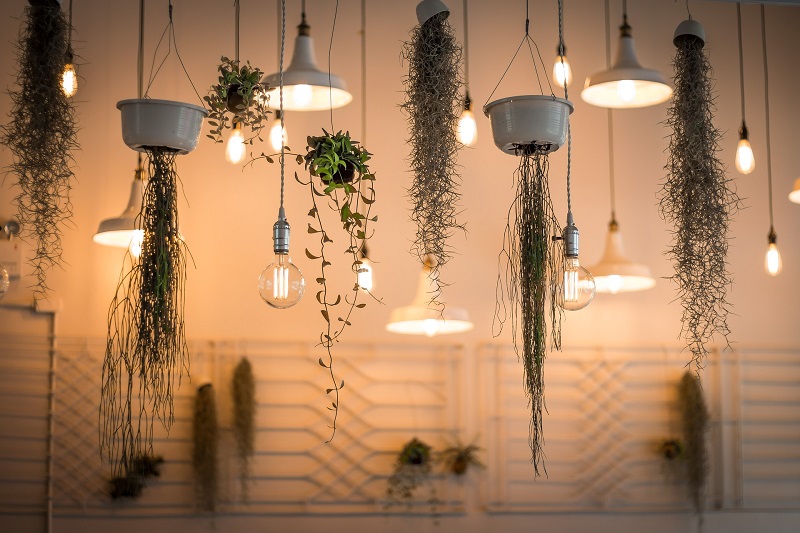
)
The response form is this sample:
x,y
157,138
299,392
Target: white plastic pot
x,y
161,123
521,121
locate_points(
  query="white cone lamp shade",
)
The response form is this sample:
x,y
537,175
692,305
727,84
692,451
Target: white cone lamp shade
x,y
616,273
794,196
121,231
305,86
420,319
627,84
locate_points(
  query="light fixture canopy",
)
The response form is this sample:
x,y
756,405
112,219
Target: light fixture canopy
x,y
421,318
616,273
305,86
626,84
119,231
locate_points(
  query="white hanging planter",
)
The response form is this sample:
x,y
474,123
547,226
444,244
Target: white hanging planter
x,y
521,121
163,123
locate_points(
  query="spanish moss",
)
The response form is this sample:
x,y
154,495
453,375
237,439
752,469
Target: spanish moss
x,y
694,420
146,350
204,454
41,135
530,274
698,200
244,412
433,104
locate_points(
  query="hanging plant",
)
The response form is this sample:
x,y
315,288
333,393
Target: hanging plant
x,y
244,413
412,469
458,458
237,100
694,421
433,105
697,199
204,454
131,484
42,134
339,172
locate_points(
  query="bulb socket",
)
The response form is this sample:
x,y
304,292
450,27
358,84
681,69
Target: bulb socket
x,y
570,238
743,132
772,237
280,234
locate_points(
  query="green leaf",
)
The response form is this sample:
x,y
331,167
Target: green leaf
x,y
341,385
361,306
312,229
328,391
321,281
325,316
322,364
310,255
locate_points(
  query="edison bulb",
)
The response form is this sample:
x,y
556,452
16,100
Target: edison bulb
x,y
301,95
276,133
579,286
69,80
772,262
4,283
235,149
281,284
467,128
562,73
745,162
365,274
626,90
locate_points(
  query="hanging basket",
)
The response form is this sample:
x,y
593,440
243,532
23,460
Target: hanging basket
x,y
528,123
162,123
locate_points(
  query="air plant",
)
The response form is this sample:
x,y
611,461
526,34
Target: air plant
x,y
697,199
694,421
204,454
146,351
42,134
433,105
244,412
531,267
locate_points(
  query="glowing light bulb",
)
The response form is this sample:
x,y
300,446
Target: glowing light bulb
x,y
626,90
562,73
745,162
579,286
135,246
281,284
614,283
430,326
278,132
772,261
69,80
4,283
365,274
235,149
301,95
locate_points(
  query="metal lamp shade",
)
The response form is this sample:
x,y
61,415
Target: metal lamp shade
x,y
616,273
119,231
794,196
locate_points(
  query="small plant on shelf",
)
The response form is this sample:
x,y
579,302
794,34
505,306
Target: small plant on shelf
x,y
458,458
237,100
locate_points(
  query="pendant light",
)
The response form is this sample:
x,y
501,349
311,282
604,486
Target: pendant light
x,y
423,318
773,264
69,78
365,271
467,127
745,162
562,72
616,273
235,149
281,284
627,84
121,231
305,86
794,196
277,133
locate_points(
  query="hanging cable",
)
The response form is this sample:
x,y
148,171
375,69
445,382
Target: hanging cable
x,y
140,60
566,97
466,47
280,93
330,47
766,105
364,72
236,30
610,122
741,55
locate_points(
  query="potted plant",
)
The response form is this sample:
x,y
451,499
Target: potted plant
x,y
243,389
42,136
148,122
458,458
412,469
130,484
339,172
237,100
694,422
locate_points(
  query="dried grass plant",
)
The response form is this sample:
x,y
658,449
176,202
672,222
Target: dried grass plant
x,y
42,134
433,103
698,200
146,350
530,273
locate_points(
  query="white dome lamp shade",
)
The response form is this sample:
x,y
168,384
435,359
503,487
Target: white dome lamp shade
x,y
120,231
626,84
616,273
423,318
794,196
305,86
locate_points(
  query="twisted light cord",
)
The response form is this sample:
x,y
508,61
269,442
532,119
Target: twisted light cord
x,y
766,106
566,97
330,48
236,29
364,72
466,46
741,55
610,122
280,92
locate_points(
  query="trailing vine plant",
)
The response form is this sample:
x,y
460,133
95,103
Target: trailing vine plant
x,y
244,412
238,99
146,351
694,421
698,200
530,277
204,454
135,479
42,135
433,105
412,469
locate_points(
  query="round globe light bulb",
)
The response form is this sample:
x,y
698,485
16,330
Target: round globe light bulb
x,y
467,128
235,149
281,284
745,161
302,96
4,283
579,286
69,80
562,72
772,261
